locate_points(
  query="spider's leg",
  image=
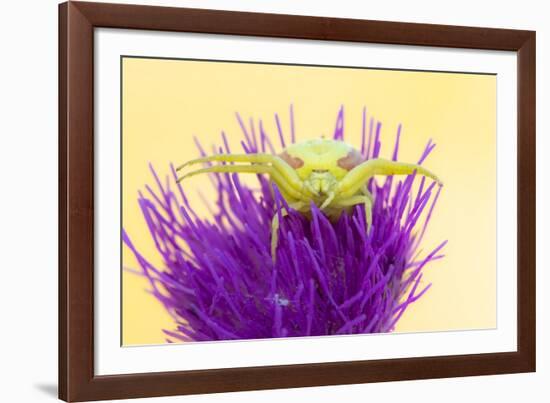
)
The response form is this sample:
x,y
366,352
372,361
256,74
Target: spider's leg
x,y
358,176
285,186
286,172
275,226
328,201
365,199
368,205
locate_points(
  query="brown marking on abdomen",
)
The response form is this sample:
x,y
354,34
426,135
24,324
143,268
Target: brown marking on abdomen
x,y
294,162
351,160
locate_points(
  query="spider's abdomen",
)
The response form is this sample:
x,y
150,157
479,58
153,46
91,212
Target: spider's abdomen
x,y
322,155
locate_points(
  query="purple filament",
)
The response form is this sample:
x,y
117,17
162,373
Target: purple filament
x,y
218,279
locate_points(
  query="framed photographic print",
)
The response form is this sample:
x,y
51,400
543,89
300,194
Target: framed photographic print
x,y
253,201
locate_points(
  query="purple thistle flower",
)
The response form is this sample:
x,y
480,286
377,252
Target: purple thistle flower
x,y
219,281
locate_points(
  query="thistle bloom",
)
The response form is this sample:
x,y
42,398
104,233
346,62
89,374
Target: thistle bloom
x,y
218,278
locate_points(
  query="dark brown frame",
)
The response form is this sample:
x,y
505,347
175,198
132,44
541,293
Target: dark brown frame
x,y
77,21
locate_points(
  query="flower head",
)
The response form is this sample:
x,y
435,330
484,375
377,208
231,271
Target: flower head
x,y
219,280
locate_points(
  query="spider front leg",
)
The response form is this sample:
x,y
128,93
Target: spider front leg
x,y
286,187
280,172
290,185
358,176
285,171
346,193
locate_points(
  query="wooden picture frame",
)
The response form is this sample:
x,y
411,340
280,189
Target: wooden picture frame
x,y
77,21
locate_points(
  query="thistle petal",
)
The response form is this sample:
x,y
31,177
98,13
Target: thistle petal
x,y
218,279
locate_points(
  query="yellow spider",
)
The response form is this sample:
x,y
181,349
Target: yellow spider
x,y
330,173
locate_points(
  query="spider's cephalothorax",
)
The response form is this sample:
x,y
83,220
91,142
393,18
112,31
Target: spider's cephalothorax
x,y
330,173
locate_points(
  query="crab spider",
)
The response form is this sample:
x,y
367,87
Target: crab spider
x,y
330,173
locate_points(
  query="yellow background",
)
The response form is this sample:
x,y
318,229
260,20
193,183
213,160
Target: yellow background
x,y
166,102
